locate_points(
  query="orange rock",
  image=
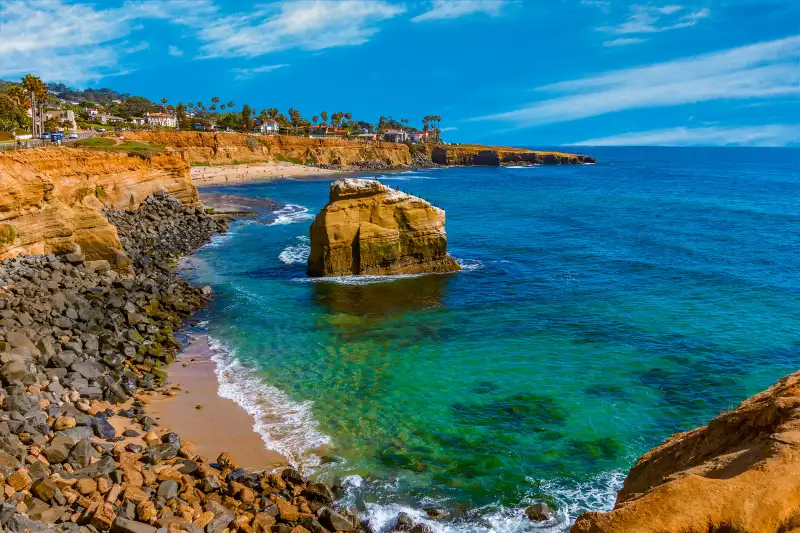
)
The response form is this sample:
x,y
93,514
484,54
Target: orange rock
x,y
103,516
287,511
204,519
740,473
20,480
368,228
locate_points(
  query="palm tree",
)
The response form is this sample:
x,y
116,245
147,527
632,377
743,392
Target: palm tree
x,y
272,112
199,105
190,105
37,92
263,116
324,116
404,121
230,104
215,99
222,107
348,116
315,119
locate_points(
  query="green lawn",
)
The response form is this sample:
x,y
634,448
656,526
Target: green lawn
x,y
131,147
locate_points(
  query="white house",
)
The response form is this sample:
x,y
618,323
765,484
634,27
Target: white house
x,y
165,120
395,136
139,121
267,127
63,116
420,136
109,119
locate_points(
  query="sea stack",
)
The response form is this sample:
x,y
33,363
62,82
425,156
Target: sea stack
x,y
368,228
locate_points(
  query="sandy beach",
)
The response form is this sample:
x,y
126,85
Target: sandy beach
x,y
220,425
206,176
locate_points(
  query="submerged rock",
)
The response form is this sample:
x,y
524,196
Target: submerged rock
x,y
368,228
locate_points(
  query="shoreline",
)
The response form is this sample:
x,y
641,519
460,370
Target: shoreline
x,y
221,175
220,424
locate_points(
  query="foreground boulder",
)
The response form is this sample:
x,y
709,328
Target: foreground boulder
x,y
740,473
368,228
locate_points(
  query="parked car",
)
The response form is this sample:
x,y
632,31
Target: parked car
x,y
45,136
72,135
102,130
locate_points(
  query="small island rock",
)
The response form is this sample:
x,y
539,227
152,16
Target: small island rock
x,y
368,228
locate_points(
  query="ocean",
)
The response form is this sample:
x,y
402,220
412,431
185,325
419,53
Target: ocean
x,y
601,309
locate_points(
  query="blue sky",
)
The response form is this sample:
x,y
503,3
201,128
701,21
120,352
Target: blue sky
x,y
529,73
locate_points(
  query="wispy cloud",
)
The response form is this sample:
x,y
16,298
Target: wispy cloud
x,y
452,9
312,25
766,135
758,71
246,73
65,42
653,19
624,41
175,51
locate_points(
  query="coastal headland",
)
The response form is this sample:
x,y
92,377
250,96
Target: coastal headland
x,y
90,304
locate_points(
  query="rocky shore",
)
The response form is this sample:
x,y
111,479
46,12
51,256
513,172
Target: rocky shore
x,y
82,347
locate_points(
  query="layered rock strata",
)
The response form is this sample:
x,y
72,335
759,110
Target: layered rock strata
x,y
50,198
738,474
472,154
368,228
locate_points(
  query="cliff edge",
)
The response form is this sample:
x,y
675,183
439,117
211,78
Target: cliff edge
x,y
738,474
492,156
368,228
51,198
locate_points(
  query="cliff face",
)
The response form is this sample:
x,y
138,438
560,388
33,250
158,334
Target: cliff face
x,y
471,154
229,148
739,474
370,229
50,198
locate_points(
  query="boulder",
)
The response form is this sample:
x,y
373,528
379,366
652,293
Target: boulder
x,y
368,228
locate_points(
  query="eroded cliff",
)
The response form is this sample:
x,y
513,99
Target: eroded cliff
x,y
368,228
50,198
230,148
474,154
738,474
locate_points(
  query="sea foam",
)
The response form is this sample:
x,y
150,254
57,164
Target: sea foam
x,y
296,253
289,214
285,426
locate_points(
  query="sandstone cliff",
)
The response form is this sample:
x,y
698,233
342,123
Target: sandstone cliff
x,y
50,198
739,474
368,228
473,154
229,148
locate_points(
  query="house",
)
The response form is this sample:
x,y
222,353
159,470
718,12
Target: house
x,y
92,111
205,125
395,136
367,136
139,121
322,132
164,120
421,136
63,116
109,119
266,127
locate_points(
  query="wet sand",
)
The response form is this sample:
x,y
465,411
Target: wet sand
x,y
220,425
203,176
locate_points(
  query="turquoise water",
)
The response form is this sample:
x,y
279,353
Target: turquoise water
x,y
601,309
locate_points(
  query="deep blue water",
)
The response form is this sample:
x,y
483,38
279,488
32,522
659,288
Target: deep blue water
x,y
602,308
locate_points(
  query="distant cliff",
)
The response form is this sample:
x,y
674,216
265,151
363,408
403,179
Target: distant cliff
x,y
222,148
368,228
738,474
50,198
474,154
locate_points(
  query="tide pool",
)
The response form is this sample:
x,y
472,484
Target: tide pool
x,y
601,309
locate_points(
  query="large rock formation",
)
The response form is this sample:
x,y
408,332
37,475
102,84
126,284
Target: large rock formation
x,y
50,198
739,474
474,154
368,228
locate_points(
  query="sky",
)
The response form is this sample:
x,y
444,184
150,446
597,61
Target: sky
x,y
529,73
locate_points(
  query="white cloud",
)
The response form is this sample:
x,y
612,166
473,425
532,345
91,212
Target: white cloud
x,y
175,51
652,19
452,9
58,41
245,73
624,41
313,25
762,70
766,135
